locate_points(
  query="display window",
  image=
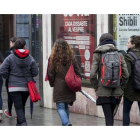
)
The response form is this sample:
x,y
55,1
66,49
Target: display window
x,y
124,26
79,31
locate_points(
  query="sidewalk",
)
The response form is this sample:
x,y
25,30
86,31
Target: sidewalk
x,y
49,117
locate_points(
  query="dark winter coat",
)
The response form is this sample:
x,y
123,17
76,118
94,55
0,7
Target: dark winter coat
x,y
7,53
20,59
129,92
61,92
96,82
1,57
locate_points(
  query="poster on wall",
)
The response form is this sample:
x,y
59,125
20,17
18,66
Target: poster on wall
x,y
79,31
127,25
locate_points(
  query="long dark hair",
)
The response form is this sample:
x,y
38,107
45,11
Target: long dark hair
x,y
19,44
135,40
62,54
13,39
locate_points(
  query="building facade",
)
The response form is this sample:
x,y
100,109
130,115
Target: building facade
x,y
82,32
20,25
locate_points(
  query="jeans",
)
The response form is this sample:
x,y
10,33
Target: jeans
x,y
108,110
9,101
1,83
126,111
19,99
63,111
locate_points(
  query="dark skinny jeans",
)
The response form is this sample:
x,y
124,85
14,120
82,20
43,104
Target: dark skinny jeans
x,y
108,110
19,98
9,101
126,111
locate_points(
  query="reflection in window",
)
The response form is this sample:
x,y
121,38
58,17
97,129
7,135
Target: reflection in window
x,y
79,31
22,27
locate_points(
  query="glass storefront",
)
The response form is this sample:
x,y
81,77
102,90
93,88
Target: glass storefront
x,y
22,27
35,36
79,31
31,35
6,31
124,26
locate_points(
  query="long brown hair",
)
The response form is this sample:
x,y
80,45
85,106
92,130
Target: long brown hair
x,y
62,54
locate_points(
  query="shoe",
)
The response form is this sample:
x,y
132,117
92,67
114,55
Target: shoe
x,y
69,124
7,113
24,124
16,117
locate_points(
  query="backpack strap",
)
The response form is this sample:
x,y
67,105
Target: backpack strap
x,y
133,54
100,61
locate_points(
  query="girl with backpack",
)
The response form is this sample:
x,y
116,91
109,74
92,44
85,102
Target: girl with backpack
x,y
59,62
132,90
20,60
107,71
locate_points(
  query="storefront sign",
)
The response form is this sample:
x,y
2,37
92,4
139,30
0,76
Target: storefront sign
x,y
79,31
127,25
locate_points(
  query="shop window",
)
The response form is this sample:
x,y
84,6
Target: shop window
x,y
6,31
22,27
124,26
35,37
79,31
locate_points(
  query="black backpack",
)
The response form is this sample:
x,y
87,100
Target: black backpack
x,y
111,69
136,76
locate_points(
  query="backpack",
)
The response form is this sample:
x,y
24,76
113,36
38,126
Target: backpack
x,y
136,76
72,80
111,69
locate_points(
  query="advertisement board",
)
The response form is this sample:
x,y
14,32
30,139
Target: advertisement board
x,y
126,26
79,31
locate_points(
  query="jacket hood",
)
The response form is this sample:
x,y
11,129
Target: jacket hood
x,y
105,48
21,53
22,57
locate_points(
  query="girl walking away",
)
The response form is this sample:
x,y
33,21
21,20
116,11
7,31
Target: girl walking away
x,y
9,101
132,90
18,62
60,59
109,66
1,83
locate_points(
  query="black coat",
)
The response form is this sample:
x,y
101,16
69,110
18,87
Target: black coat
x,y
1,57
129,92
7,53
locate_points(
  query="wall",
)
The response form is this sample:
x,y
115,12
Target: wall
x,y
82,105
46,29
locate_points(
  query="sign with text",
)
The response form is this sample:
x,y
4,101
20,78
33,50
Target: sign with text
x,y
79,31
127,25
